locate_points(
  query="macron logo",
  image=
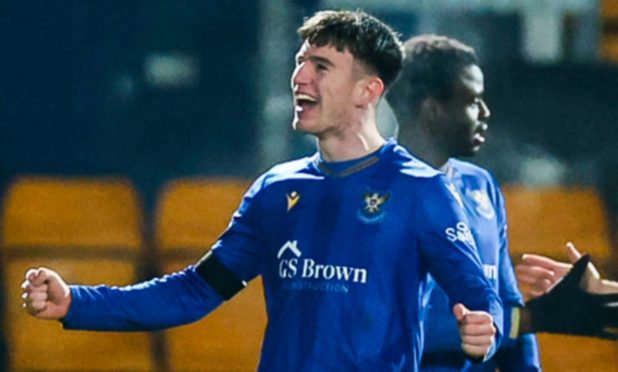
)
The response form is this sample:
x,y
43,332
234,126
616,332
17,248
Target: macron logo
x,y
292,246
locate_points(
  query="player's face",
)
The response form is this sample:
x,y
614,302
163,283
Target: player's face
x,y
461,119
323,85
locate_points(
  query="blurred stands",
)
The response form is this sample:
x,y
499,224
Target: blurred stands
x,y
90,231
542,220
609,30
191,215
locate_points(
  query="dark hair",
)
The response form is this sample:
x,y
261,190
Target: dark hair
x,y
367,38
431,64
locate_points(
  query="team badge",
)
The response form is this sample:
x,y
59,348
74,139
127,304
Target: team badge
x,y
293,199
482,203
372,210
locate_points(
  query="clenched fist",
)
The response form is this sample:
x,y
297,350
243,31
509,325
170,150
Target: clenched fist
x,y
45,294
477,331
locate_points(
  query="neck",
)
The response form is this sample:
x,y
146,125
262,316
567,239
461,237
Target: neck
x,y
420,142
351,144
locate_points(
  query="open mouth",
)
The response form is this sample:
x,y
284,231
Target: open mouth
x,y
478,139
304,101
480,134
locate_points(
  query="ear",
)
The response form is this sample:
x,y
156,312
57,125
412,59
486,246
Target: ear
x,y
368,90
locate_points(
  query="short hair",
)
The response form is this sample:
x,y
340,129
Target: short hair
x,y
368,39
431,64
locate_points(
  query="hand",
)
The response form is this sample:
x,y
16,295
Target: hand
x,y
45,295
542,273
477,331
569,309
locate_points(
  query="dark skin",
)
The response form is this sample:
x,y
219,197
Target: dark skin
x,y
455,126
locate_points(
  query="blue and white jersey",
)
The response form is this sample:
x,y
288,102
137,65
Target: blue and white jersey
x,y
485,210
344,250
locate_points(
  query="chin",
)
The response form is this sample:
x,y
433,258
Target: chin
x,y
295,125
468,152
299,125
304,127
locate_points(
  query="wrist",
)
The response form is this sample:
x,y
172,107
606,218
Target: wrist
x,y
525,321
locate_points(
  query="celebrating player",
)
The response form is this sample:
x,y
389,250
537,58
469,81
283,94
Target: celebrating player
x,y
343,239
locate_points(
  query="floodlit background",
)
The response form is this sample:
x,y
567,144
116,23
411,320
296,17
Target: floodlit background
x,y
129,130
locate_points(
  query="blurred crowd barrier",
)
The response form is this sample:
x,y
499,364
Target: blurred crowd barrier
x,y
93,230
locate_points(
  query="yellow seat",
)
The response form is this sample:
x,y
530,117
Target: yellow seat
x,y
191,214
542,220
89,230
609,9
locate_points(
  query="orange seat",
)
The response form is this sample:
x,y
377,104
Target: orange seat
x,y
542,220
89,230
609,9
191,214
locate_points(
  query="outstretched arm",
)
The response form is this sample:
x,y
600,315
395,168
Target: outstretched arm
x,y
542,273
172,300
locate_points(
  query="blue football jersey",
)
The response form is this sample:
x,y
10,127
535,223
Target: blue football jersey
x,y
344,251
484,206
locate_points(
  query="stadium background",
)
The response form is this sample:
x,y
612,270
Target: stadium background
x,y
129,129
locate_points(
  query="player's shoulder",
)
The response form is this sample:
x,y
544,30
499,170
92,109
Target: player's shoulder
x,y
475,177
299,169
471,170
412,167
467,168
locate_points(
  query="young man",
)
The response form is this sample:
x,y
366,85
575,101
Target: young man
x,y
343,240
438,102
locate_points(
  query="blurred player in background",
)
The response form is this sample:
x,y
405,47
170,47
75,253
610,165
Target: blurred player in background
x,y
438,102
343,239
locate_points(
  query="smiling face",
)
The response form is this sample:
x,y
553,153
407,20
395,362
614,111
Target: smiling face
x,y
324,85
460,124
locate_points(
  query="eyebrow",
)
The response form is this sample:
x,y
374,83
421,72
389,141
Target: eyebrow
x,y
316,59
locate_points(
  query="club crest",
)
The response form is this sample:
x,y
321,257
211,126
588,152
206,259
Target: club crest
x,y
482,203
372,207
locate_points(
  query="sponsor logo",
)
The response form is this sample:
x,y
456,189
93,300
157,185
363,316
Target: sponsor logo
x,y
293,199
491,271
304,273
482,203
371,210
291,246
461,232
